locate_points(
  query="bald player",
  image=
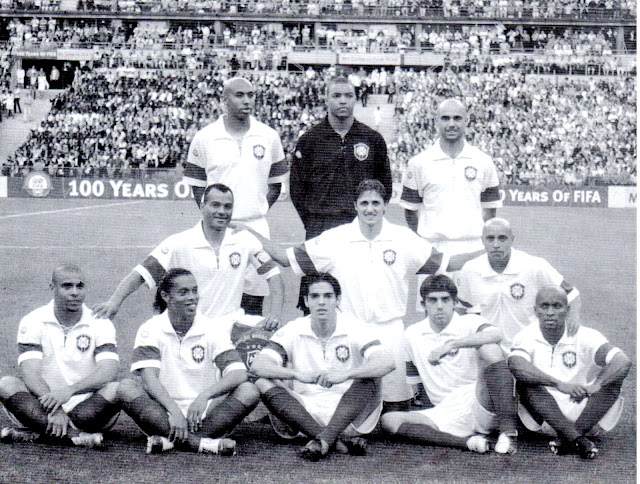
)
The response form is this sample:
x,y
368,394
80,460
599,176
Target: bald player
x,y
247,156
68,364
502,284
568,385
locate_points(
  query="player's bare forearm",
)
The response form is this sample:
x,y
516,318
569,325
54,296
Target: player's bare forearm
x,y
276,298
106,371
31,371
489,213
226,384
273,193
157,391
275,250
525,372
377,365
411,216
457,261
618,368
573,318
489,335
197,194
127,286
264,366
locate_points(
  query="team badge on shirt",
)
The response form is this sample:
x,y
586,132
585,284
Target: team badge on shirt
x,y
470,173
197,353
389,256
195,153
569,359
259,151
361,151
342,353
235,259
517,291
83,342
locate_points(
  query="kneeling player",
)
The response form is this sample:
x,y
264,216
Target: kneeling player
x,y
459,361
194,386
568,385
335,365
69,365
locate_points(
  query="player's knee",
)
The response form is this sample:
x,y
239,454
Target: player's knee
x,y
391,421
247,393
263,385
491,353
109,391
10,385
128,390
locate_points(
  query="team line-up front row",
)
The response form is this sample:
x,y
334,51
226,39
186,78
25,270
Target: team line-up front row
x,y
325,375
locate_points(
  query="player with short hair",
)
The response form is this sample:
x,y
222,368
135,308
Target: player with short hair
x,y
247,156
194,386
373,260
334,363
216,255
69,365
569,386
332,158
459,362
502,283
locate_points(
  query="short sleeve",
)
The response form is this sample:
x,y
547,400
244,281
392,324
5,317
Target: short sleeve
x,y
105,340
195,173
547,274
223,353
260,259
279,166
281,345
413,375
146,349
29,340
157,263
411,198
490,196
315,255
423,257
522,346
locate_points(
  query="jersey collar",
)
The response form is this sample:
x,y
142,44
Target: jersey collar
x,y
514,266
220,132
341,327
198,328
564,340
356,235
197,239
441,155
50,316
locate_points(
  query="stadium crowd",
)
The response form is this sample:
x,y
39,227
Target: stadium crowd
x,y
537,131
382,8
123,122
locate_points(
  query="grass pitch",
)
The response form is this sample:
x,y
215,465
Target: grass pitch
x,y
595,249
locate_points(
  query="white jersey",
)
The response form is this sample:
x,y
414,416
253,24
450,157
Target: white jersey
x,y
506,299
68,354
572,359
188,365
220,277
450,193
457,369
247,167
374,275
298,346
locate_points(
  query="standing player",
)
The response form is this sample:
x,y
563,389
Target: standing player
x,y
374,260
331,160
451,188
568,385
194,386
502,283
69,365
334,363
460,364
247,156
216,255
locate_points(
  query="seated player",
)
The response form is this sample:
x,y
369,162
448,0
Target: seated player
x,y
459,361
194,386
335,364
69,365
568,385
217,256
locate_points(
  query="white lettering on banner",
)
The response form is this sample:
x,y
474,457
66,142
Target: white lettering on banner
x,y
560,196
586,196
182,190
528,196
86,188
123,189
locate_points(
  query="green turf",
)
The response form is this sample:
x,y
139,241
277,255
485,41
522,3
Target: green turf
x,y
595,249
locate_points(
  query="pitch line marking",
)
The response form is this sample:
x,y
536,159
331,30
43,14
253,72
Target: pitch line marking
x,y
88,247
89,207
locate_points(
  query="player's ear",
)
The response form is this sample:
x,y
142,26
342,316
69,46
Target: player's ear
x,y
165,296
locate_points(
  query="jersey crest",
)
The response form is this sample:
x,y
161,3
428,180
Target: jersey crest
x,y
342,353
234,259
83,342
569,359
517,291
259,151
389,256
470,173
197,353
361,151
195,153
